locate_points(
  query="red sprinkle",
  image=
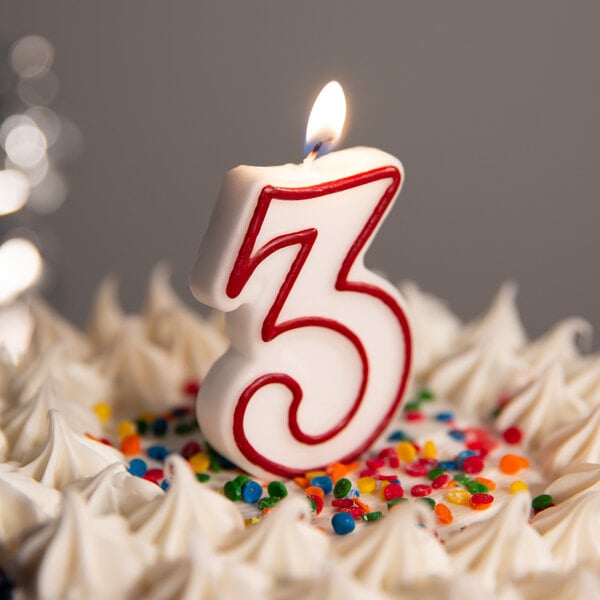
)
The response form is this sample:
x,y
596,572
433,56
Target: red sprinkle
x,y
356,512
391,477
375,463
393,490
367,473
512,435
191,448
154,475
342,503
318,502
414,415
420,490
191,387
481,501
415,469
393,461
440,481
473,465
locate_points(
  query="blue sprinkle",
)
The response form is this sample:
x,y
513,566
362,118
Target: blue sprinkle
x,y
137,467
448,465
164,484
157,453
343,523
460,457
353,493
445,416
324,482
397,436
159,426
251,492
457,434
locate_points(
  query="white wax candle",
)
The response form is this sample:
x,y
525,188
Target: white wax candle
x,y
320,348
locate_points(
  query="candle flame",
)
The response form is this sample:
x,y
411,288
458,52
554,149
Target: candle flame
x,y
326,119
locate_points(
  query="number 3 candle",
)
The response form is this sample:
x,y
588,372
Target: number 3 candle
x,y
320,348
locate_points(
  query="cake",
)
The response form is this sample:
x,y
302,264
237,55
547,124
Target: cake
x,y
486,486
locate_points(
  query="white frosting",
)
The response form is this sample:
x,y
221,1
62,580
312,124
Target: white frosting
x,y
584,379
201,575
114,490
571,531
145,377
79,556
26,425
66,456
50,328
434,327
78,382
192,341
576,479
558,345
25,503
576,442
396,552
475,378
581,583
3,446
542,406
107,315
501,322
187,510
283,544
503,548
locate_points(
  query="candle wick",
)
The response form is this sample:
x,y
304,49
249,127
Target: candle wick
x,y
313,153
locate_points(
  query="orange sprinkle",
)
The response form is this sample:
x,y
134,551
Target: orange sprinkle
x,y
491,485
362,505
91,437
316,490
443,513
384,484
312,474
301,482
336,471
131,444
513,463
266,511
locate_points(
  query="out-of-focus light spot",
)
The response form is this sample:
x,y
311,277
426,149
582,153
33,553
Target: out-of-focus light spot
x,y
49,195
14,191
16,327
70,143
11,122
35,175
25,145
31,56
47,120
21,267
39,90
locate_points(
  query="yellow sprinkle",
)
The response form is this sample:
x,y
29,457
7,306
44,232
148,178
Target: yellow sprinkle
x,y
125,428
458,497
148,416
366,485
311,474
429,449
406,452
252,521
200,462
518,486
103,411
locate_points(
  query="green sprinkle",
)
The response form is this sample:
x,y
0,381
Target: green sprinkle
x,y
394,501
233,490
202,477
241,479
476,487
462,479
267,502
342,488
426,395
429,501
277,490
434,473
141,426
413,405
541,502
372,516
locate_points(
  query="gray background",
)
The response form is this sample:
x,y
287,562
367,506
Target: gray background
x,y
492,107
